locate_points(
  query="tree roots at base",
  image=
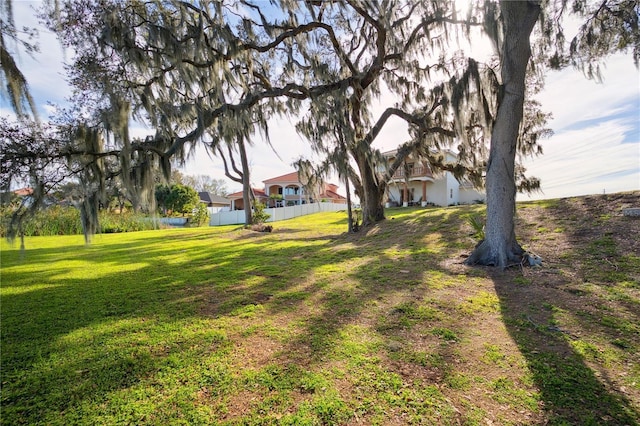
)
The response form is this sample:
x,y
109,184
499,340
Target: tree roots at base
x,y
503,256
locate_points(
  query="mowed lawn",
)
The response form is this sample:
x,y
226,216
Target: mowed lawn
x,y
311,326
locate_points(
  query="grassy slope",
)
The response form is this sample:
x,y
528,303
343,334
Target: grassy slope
x,y
308,325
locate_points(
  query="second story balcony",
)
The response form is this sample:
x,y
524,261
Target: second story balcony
x,y
415,171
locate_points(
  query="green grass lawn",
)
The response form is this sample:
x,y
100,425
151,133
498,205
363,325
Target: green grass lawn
x,y
311,326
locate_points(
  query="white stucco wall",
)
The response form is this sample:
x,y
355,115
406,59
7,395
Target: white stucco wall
x,y
437,192
470,196
453,190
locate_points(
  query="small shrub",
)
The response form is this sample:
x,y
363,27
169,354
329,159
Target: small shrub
x,y
200,215
259,216
477,224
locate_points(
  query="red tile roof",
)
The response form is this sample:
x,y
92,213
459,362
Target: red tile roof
x,y
332,195
257,192
23,191
289,177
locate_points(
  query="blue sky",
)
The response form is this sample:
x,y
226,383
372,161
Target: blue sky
x,y
595,147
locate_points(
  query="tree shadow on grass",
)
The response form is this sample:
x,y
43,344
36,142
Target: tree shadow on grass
x,y
229,296
576,319
573,393
68,340
335,311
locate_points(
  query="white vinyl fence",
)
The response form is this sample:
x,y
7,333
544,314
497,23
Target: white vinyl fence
x,y
173,221
280,213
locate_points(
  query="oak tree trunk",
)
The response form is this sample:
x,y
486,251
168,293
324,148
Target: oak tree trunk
x,y
372,196
247,199
350,224
500,247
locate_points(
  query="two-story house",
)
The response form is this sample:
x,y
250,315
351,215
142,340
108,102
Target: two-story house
x,y
417,184
287,190
293,192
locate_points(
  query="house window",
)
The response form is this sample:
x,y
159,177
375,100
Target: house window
x,y
451,193
291,190
280,190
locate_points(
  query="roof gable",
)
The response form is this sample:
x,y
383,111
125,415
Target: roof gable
x,y
208,197
256,192
289,177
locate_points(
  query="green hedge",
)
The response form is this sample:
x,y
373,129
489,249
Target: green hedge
x,y
57,220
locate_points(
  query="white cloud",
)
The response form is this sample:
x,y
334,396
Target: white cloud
x,y
596,146
589,160
572,98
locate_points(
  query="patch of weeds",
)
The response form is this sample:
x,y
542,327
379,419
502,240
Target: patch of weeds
x,y
577,291
483,301
593,353
426,405
620,293
266,410
473,416
548,204
272,377
605,246
328,408
567,256
354,344
248,311
633,379
419,312
620,324
493,355
312,382
287,300
376,380
217,378
630,261
413,404
522,280
566,383
438,361
458,381
445,334
622,344
406,315
548,306
342,303
421,358
235,304
506,391
250,330
629,284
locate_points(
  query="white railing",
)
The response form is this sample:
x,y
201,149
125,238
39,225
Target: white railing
x,y
281,213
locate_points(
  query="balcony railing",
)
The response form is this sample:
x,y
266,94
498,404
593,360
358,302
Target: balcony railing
x,y
414,172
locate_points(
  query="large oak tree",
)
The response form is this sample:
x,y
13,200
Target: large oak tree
x,y
609,26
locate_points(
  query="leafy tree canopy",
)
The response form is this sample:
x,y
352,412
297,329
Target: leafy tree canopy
x,y
215,72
